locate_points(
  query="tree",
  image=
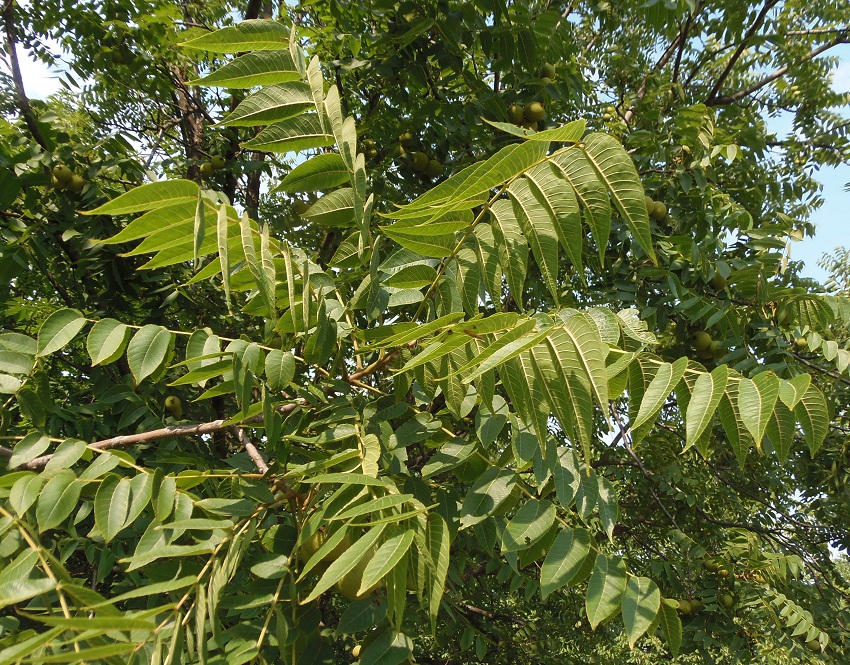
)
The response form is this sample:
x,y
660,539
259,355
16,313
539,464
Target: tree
x,y
442,334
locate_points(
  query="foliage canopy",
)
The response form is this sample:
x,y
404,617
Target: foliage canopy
x,y
315,334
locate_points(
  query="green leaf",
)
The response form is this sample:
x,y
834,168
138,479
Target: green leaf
x,y
388,648
106,341
151,196
66,455
385,559
58,329
616,169
25,492
345,563
564,560
640,607
659,389
333,209
57,500
439,548
707,392
671,624
321,172
590,192
487,493
756,400
149,350
511,246
781,429
538,226
250,35
18,590
92,654
813,416
529,525
605,589
303,132
253,69
412,277
560,200
111,505
270,105
792,391
280,368
12,362
609,507
28,448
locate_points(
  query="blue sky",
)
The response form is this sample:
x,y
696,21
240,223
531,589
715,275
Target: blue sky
x,y
832,221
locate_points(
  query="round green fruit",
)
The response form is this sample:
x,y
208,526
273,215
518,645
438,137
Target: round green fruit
x,y
813,645
419,161
711,565
516,114
62,173
718,281
546,80
727,601
650,204
434,168
207,170
684,607
299,207
173,406
371,153
547,70
217,162
723,572
696,606
659,211
312,545
717,351
56,184
700,340
349,585
801,342
368,143
76,183
534,112
406,139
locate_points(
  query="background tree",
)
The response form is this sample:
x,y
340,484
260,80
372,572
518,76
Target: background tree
x,y
506,342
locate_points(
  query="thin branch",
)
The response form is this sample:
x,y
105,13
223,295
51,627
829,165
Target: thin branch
x,y
820,369
126,440
733,59
770,78
20,93
251,449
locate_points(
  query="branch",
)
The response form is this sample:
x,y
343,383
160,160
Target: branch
x,y
733,59
124,441
820,369
20,93
770,78
251,449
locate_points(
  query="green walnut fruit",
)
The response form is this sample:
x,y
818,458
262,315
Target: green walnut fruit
x,y
727,601
76,183
723,572
534,112
705,355
813,645
217,162
368,143
312,545
650,204
173,406
717,351
349,585
419,162
299,207
434,169
684,607
356,651
207,170
696,606
659,211
700,340
406,139
530,126
801,342
371,153
547,70
516,114
56,184
711,565
546,80
62,173
718,281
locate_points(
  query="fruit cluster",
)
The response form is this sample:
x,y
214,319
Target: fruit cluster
x,y
528,116
656,209
705,347
369,148
210,168
62,177
419,161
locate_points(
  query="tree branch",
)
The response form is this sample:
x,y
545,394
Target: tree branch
x,y
124,441
733,59
251,449
20,93
770,78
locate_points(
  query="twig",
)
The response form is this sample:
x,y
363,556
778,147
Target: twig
x,y
124,441
251,449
